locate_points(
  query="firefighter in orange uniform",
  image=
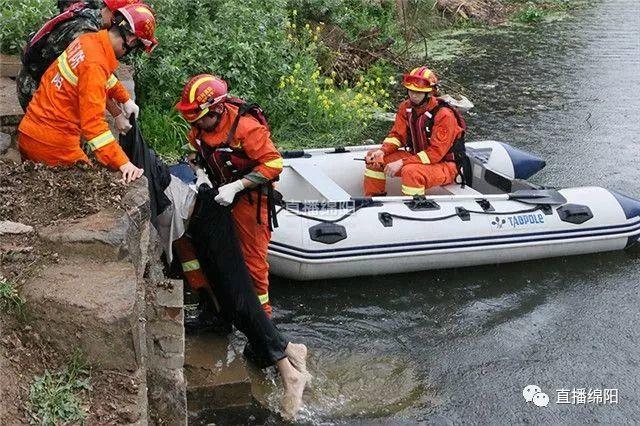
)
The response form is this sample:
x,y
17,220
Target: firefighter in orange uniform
x,y
219,125
428,130
70,101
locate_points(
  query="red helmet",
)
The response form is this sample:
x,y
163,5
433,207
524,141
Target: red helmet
x,y
114,5
201,92
140,21
420,79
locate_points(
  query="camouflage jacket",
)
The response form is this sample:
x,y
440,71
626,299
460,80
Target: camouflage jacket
x,y
28,80
57,41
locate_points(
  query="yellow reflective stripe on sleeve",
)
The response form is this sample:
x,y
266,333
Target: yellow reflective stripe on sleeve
x,y
192,265
274,164
393,141
65,70
264,298
412,190
112,81
424,157
101,140
375,175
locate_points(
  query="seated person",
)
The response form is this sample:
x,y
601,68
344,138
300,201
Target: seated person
x,y
428,129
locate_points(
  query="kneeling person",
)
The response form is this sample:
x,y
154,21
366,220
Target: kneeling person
x,y
70,101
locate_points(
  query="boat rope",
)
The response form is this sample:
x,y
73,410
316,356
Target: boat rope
x,y
416,219
318,219
458,214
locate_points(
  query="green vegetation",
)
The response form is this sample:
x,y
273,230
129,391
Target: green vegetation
x,y
531,13
54,398
10,299
321,69
534,11
19,18
272,53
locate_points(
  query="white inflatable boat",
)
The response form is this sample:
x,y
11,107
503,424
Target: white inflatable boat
x,y
327,229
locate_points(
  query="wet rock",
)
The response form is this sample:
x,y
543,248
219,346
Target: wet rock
x,y
211,385
8,227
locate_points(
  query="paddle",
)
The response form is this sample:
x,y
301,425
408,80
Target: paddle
x,y
528,196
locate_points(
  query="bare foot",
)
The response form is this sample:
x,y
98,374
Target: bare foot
x,y
293,382
297,354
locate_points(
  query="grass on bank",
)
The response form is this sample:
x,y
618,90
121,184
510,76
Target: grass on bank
x,y
10,299
55,398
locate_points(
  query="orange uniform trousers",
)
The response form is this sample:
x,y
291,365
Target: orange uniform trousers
x,y
416,178
254,241
188,258
52,155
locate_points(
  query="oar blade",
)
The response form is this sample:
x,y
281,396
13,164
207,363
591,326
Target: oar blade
x,y
538,196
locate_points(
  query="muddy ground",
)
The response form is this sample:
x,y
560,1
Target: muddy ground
x,y
38,196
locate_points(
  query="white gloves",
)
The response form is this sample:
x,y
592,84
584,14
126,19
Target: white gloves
x,y
227,193
130,107
122,124
202,178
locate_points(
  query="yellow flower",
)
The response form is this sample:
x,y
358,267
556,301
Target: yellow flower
x,y
293,26
307,26
297,66
378,80
328,81
281,85
294,12
333,74
318,29
315,38
375,105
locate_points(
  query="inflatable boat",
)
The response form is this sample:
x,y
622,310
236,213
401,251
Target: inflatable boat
x,y
327,229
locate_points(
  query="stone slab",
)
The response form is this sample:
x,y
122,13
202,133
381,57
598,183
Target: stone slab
x,y
90,304
10,111
101,235
9,65
216,374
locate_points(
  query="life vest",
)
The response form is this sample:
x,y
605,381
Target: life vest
x,y
225,164
420,137
32,52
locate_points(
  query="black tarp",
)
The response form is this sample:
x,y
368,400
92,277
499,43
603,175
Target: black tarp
x,y
212,230
155,170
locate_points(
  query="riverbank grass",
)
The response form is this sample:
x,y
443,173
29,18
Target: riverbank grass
x,y
10,299
55,398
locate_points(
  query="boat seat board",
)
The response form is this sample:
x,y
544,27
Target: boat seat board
x,y
320,181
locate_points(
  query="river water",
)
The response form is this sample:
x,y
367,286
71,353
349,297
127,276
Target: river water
x,y
460,345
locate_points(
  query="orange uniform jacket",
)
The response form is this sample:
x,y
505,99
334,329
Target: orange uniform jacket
x,y
443,134
70,102
250,136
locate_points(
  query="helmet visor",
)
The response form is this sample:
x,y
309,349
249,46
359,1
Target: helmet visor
x,y
414,82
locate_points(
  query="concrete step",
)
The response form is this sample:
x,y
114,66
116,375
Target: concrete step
x,y
216,373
